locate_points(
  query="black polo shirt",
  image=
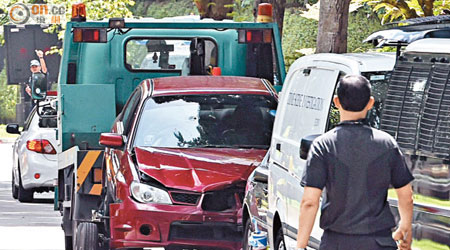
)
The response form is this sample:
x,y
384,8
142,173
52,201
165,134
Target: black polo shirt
x,y
357,164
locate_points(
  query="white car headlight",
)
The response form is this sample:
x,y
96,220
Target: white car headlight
x,y
149,194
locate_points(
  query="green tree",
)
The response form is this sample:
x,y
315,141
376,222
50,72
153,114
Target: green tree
x,y
8,99
392,10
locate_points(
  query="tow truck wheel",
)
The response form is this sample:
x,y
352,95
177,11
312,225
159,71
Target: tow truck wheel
x,y
24,195
15,190
279,240
87,237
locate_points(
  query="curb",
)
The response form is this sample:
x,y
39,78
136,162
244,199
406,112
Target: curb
x,y
7,140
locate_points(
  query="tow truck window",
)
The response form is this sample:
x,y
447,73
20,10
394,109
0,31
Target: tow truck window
x,y
166,54
192,121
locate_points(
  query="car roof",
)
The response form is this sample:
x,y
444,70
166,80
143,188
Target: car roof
x,y
364,62
430,45
208,84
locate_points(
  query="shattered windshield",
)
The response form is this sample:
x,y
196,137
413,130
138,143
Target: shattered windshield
x,y
226,120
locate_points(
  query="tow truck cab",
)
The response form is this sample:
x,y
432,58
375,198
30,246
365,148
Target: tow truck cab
x,y
104,61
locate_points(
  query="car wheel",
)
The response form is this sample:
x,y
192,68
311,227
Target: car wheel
x,y
23,194
15,190
68,242
247,233
87,237
279,240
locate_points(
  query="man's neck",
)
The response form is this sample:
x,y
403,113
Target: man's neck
x,y
352,116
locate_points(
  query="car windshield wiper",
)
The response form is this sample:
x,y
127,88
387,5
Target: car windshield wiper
x,y
232,146
252,146
215,146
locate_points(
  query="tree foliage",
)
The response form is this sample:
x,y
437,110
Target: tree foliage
x,y
8,99
391,10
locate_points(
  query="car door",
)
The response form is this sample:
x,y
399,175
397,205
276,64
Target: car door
x,y
122,126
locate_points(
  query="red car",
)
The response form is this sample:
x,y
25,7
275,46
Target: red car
x,y
178,158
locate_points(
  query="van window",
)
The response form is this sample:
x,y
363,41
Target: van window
x,y
166,54
379,81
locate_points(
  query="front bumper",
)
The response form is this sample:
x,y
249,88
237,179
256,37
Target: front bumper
x,y
136,225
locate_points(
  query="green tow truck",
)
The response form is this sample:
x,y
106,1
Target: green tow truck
x,y
104,61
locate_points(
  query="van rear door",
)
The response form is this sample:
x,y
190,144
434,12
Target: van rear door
x,y
303,111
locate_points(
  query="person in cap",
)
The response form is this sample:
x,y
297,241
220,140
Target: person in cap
x,y
355,165
36,67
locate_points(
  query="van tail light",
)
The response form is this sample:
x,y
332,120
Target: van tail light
x,y
41,146
255,36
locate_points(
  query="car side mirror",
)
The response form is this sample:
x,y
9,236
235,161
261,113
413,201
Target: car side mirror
x,y
12,128
38,86
305,145
111,140
261,175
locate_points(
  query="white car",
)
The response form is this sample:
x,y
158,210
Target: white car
x,y
35,161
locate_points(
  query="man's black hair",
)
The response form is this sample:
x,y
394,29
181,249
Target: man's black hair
x,y
353,92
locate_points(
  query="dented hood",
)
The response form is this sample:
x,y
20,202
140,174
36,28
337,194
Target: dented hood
x,y
198,169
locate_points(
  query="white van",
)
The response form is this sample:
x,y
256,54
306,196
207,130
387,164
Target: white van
x,y
305,108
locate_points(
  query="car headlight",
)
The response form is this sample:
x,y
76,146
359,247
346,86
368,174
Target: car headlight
x,y
149,194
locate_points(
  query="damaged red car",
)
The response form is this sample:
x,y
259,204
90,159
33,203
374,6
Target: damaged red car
x,y
178,158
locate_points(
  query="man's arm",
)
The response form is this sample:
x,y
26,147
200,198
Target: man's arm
x,y
40,54
405,208
308,212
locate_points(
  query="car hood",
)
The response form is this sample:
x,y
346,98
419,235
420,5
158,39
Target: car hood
x,y
198,170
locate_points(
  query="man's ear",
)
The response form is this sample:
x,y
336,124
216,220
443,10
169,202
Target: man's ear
x,y
336,101
370,103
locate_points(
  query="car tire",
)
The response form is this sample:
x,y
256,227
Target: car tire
x,y
87,237
279,240
14,188
24,195
68,242
247,232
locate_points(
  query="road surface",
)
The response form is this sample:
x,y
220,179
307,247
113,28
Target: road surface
x,y
26,226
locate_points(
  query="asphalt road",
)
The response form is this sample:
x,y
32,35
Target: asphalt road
x,y
26,226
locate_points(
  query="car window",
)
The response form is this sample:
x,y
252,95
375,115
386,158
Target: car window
x,y
227,120
29,119
129,110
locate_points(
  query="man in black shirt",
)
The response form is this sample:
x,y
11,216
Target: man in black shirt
x,y
36,67
356,164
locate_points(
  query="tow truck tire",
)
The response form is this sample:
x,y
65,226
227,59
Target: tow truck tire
x,y
14,188
279,240
24,195
87,237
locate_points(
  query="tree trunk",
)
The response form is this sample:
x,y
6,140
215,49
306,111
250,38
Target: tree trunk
x,y
428,7
333,23
215,9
